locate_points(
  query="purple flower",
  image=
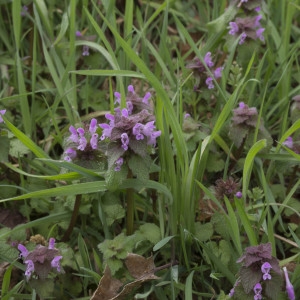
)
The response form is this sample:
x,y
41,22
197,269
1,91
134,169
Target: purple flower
x,y
74,135
257,290
152,139
137,131
118,96
24,251
147,97
94,141
2,112
131,89
242,38
288,142
29,268
231,293
149,128
106,133
70,154
119,163
209,83
78,33
234,28
85,50
218,72
124,140
51,243
265,268
239,195
259,34
289,287
207,60
55,263
257,21
24,11
93,126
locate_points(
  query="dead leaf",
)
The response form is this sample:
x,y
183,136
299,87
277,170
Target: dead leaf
x,y
108,287
139,267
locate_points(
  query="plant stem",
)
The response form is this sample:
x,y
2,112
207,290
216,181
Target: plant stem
x,y
130,208
68,232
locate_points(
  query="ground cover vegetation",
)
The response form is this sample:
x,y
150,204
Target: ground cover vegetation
x,y
150,149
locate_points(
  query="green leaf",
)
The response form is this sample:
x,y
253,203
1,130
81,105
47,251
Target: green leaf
x,y
150,232
259,145
162,243
203,232
75,189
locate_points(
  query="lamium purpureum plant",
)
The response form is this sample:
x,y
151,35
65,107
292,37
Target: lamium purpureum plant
x,y
41,261
201,73
127,139
260,276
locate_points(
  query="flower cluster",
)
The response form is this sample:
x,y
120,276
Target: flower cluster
x,y
259,275
85,48
82,140
42,260
129,129
200,70
247,27
227,188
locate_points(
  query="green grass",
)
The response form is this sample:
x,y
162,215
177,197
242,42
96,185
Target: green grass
x,y
47,85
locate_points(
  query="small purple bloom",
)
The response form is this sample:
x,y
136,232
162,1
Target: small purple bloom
x,y
207,60
242,105
85,50
2,112
78,33
24,11
259,34
74,134
187,115
125,112
70,154
93,126
119,163
234,28
148,128
129,106
289,287
239,195
94,141
106,133
51,243
218,72
257,290
131,89
257,21
118,96
152,138
55,263
23,249
29,268
288,142
257,9
137,131
125,141
209,83
265,268
231,293
147,97
82,143
242,38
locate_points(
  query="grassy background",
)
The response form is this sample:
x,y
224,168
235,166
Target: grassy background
x,y
47,85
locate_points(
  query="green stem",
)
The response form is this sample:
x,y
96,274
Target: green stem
x,y
130,208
